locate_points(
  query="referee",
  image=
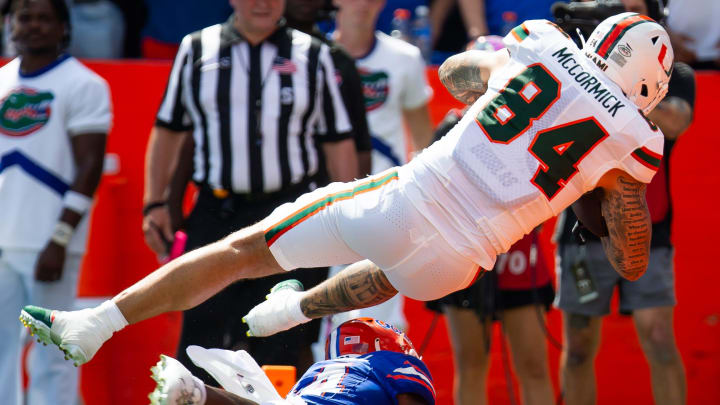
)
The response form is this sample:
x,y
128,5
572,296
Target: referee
x,y
255,95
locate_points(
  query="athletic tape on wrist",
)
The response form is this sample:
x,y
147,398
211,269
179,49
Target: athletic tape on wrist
x,y
111,313
77,202
292,306
62,234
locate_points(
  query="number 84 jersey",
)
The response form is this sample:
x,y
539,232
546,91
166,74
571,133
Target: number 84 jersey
x,y
549,127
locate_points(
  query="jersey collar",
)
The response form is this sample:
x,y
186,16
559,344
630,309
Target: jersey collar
x,y
62,58
230,36
370,51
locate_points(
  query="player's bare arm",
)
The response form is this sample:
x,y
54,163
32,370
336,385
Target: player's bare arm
x,y
418,122
88,153
673,115
359,285
341,160
161,160
625,210
217,396
465,75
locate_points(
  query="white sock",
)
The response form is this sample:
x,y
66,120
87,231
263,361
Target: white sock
x,y
292,307
111,316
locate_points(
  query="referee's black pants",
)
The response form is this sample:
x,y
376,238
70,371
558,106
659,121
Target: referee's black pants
x,y
216,323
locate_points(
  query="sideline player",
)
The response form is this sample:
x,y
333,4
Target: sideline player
x,y
55,114
554,122
366,361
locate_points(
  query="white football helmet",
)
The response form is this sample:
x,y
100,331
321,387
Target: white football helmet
x,y
634,52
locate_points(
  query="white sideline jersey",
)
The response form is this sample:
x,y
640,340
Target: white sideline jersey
x,y
550,125
393,78
39,113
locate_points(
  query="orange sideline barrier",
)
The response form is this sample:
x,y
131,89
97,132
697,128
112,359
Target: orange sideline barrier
x,y
282,378
118,257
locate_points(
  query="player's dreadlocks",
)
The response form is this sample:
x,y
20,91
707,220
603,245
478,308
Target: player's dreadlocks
x,y
61,12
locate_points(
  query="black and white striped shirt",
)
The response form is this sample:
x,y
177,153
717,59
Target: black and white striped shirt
x,y
254,110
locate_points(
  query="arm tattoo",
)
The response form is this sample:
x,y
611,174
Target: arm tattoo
x,y
359,285
463,77
628,220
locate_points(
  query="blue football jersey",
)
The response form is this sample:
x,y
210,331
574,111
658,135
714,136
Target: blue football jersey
x,y
375,378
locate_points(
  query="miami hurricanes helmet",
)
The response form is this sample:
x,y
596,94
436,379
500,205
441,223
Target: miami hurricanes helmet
x,y
634,52
366,335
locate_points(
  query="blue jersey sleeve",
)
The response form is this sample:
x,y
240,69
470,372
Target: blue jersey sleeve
x,y
376,378
400,374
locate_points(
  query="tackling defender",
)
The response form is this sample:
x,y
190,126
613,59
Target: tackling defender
x,y
549,122
366,361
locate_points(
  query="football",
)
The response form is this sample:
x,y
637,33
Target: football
x,y
588,211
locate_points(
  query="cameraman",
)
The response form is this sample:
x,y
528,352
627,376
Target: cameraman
x,y
587,281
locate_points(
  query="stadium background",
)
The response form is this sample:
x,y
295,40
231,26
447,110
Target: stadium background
x,y
117,257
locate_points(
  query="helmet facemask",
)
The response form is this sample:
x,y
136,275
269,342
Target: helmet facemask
x,y
646,96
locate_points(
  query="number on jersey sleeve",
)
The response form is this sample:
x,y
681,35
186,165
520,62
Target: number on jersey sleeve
x,y
524,99
327,380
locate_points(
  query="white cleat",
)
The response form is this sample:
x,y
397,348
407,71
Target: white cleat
x,y
175,384
78,334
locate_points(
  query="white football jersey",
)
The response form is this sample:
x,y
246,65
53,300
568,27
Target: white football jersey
x,y
39,114
549,127
393,78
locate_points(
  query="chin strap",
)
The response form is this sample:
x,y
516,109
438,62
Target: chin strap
x,y
581,36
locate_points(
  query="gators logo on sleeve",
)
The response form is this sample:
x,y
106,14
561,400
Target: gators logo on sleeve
x,y
24,111
376,88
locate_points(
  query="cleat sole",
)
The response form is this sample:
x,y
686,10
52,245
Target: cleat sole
x,y
166,391
38,329
158,397
45,336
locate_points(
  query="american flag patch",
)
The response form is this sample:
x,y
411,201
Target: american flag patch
x,y
283,65
351,340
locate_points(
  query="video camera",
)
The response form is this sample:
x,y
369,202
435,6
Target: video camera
x,y
586,15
